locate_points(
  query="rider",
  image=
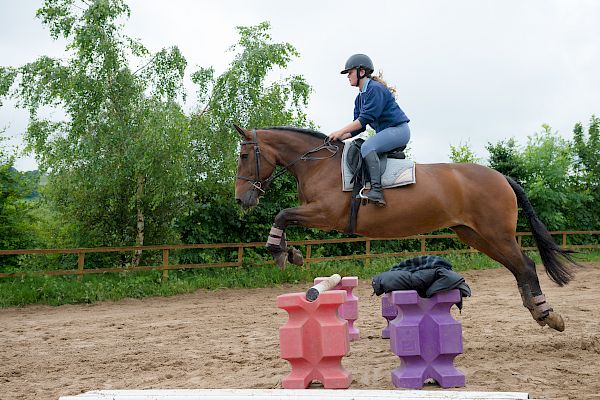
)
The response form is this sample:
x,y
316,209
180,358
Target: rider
x,y
375,105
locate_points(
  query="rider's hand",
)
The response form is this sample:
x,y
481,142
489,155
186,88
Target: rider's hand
x,y
339,135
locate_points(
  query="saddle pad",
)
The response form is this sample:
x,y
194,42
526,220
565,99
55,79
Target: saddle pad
x,y
397,173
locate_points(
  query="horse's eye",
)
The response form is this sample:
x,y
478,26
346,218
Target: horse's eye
x,y
244,156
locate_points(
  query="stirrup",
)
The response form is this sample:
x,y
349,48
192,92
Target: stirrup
x,y
365,199
361,195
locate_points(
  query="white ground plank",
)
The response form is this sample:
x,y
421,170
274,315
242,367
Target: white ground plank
x,y
290,394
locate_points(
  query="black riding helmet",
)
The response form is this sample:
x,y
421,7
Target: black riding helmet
x,y
359,61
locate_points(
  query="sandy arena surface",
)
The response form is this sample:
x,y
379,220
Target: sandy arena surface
x,y
229,339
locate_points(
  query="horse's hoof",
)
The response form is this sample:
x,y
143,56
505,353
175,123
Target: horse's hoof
x,y
280,259
555,321
295,256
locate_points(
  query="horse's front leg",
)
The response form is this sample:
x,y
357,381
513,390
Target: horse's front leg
x,y
281,252
277,245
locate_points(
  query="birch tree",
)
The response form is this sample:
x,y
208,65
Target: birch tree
x,y
117,154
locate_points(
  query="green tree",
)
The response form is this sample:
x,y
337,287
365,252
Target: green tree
x,y
505,157
244,94
544,167
547,162
587,168
15,216
117,164
463,153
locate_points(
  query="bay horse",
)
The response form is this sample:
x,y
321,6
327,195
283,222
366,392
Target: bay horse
x,y
477,202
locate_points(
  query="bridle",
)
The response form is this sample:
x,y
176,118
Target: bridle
x,y
261,185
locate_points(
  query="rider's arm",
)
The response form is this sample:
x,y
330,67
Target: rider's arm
x,y
373,104
346,131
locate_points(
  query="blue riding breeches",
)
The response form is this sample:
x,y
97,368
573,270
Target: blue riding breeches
x,y
386,140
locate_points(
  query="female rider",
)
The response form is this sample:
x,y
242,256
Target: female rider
x,y
376,106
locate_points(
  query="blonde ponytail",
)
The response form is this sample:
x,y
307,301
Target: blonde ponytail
x,y
379,78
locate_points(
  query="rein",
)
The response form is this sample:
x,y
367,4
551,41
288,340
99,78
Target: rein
x,y
258,184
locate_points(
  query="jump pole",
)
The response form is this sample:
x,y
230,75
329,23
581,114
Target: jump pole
x,y
313,293
290,394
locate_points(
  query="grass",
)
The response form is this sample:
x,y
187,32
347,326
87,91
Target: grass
x,y
57,290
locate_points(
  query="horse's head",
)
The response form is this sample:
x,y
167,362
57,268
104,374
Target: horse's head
x,y
253,170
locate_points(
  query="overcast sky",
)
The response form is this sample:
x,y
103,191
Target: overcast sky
x,y
466,71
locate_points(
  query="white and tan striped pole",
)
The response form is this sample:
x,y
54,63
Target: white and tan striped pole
x,y
313,293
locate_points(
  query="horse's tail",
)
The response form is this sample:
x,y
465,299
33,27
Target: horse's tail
x,y
550,252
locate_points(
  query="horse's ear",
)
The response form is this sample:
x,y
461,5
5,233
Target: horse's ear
x,y
244,134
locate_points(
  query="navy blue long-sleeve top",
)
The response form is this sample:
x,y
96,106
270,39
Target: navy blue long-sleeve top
x,y
376,106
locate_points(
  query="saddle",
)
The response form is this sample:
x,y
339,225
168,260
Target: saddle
x,y
354,159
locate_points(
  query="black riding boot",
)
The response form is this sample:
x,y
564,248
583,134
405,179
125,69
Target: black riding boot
x,y
375,194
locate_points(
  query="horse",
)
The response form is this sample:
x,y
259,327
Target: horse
x,y
478,203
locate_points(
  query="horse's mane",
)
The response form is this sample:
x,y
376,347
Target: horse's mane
x,y
311,132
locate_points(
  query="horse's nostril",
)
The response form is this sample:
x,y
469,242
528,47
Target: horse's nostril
x,y
238,201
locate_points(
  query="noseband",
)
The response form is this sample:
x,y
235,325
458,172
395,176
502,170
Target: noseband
x,y
259,184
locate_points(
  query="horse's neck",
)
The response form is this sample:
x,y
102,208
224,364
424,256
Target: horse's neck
x,y
287,148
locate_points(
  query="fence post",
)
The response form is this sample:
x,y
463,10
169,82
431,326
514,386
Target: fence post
x,y
368,253
80,262
240,255
165,271
564,240
520,240
308,255
423,245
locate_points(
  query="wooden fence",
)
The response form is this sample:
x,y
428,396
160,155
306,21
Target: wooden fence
x,y
308,259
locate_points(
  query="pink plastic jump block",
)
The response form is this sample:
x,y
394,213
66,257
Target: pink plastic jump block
x,y
348,310
426,338
314,340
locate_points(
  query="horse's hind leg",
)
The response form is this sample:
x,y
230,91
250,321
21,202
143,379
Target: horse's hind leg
x,y
506,250
535,301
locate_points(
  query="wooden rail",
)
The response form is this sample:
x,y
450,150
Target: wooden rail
x,y
165,266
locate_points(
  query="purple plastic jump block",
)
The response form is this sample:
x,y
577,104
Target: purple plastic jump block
x,y
349,309
426,338
389,312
